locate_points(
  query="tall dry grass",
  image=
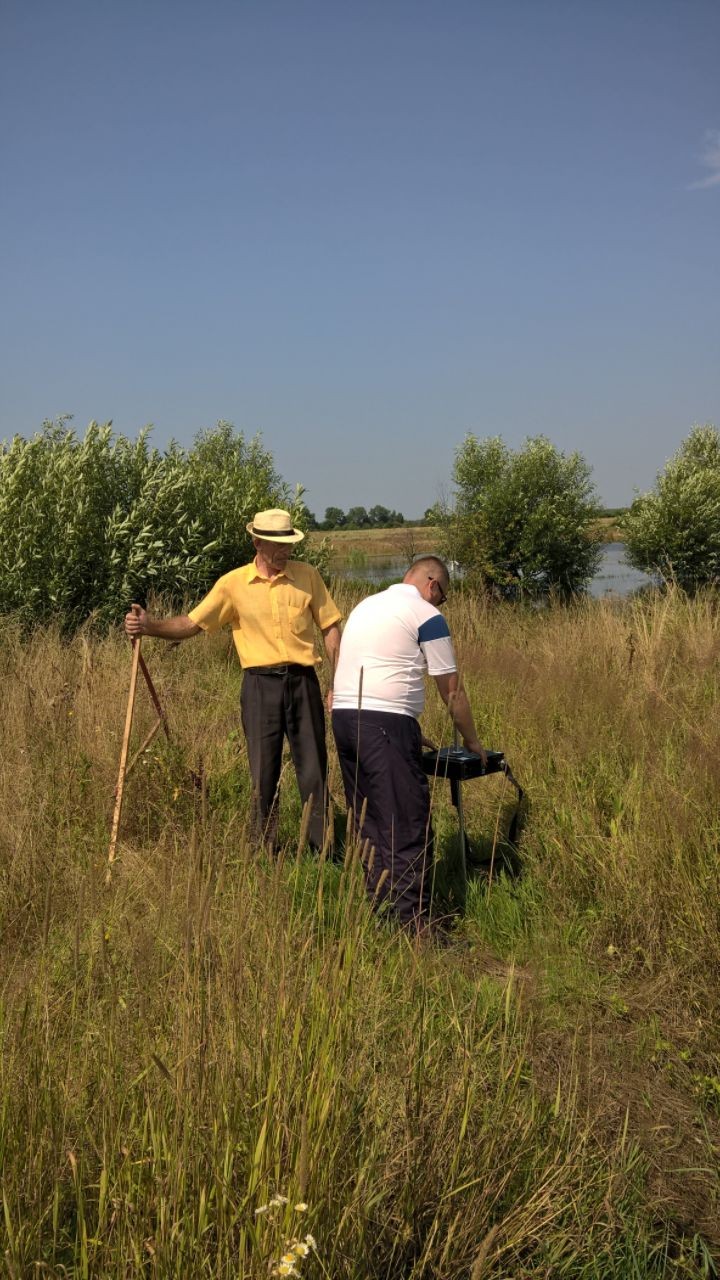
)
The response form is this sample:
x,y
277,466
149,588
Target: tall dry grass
x,y
608,713
214,1028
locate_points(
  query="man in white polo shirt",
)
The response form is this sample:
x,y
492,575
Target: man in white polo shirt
x,y
390,641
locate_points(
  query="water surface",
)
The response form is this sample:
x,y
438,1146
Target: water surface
x,y
614,576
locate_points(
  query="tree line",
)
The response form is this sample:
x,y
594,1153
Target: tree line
x,y
89,524
377,517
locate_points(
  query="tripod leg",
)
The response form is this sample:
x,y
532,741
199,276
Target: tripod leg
x,y
123,758
463,845
153,694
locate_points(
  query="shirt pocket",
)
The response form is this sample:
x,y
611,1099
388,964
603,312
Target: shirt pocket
x,y
299,611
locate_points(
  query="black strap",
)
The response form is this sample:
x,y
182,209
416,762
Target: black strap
x,y
281,669
515,820
513,828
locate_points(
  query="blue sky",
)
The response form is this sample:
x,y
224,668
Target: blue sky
x,y
365,229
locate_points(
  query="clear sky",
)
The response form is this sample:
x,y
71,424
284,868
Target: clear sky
x,y
365,229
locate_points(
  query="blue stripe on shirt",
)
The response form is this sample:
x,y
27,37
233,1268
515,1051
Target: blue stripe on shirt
x,y
434,629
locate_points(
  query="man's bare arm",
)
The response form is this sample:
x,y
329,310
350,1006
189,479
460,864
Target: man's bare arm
x,y
456,701
331,640
140,623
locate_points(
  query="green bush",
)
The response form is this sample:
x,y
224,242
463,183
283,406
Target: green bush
x,y
520,524
88,525
675,530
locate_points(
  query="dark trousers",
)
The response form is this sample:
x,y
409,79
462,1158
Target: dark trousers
x,y
380,759
279,702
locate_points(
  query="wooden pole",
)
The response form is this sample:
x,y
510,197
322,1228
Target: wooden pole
x,y
123,756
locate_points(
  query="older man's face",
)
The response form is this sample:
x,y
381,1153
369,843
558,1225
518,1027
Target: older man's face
x,y
275,554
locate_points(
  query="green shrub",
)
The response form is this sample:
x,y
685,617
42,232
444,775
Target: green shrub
x,y
521,518
88,525
675,530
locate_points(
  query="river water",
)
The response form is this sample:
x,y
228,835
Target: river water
x,y
614,577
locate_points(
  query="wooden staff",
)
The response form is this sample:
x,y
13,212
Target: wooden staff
x,y
123,756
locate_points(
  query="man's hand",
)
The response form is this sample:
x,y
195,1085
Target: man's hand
x,y
329,699
136,621
139,623
472,744
426,743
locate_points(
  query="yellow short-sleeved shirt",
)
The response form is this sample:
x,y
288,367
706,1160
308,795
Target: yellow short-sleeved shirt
x,y
271,618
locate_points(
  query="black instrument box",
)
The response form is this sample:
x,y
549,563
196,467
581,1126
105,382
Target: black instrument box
x,y
457,765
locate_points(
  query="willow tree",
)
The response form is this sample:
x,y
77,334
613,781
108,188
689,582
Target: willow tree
x,y
521,519
88,524
675,530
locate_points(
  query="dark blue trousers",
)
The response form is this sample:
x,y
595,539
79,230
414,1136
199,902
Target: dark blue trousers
x,y
380,759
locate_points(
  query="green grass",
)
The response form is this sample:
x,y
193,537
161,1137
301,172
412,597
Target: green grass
x,y
213,1028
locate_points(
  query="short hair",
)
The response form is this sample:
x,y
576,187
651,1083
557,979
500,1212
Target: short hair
x,y
427,562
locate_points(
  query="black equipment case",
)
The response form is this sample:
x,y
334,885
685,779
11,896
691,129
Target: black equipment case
x,y
458,766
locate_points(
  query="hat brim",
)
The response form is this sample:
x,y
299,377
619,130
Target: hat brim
x,y
295,535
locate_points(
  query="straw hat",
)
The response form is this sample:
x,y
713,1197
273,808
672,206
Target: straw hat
x,y
275,525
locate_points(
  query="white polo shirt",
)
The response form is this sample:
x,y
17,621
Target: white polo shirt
x,y
394,638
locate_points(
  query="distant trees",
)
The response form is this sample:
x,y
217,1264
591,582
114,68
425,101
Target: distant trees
x,y
520,524
675,529
88,525
384,518
435,514
335,518
359,518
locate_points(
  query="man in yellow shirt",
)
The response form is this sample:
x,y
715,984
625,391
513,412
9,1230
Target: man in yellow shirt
x,y
272,605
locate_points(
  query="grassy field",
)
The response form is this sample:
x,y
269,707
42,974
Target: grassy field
x,y
407,541
358,546
213,1031
607,529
